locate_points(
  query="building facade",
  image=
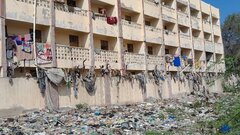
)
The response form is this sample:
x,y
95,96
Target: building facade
x,y
133,35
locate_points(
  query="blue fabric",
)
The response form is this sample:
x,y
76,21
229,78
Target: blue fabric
x,y
225,129
18,41
177,62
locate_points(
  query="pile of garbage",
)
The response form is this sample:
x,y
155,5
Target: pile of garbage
x,y
172,115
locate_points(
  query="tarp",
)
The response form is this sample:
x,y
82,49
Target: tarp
x,y
55,75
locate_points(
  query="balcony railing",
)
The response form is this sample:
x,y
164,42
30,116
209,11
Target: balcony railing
x,y
195,22
168,13
106,56
155,60
74,10
154,29
152,2
131,58
131,24
64,52
185,2
42,3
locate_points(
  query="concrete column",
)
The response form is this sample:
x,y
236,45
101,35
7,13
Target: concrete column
x,y
90,36
52,34
163,40
120,38
144,38
178,34
202,35
191,36
3,58
212,33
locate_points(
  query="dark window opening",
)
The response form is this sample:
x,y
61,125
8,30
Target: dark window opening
x,y
130,48
102,11
74,40
71,3
38,35
104,45
167,51
148,23
150,50
128,18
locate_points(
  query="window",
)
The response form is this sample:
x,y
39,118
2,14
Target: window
x,y
38,35
74,41
71,3
148,23
128,18
130,48
150,50
104,45
102,11
167,51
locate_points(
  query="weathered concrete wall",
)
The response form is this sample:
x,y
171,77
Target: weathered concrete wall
x,y
26,94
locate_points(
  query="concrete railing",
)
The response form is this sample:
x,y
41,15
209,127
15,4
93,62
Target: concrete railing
x,y
168,13
209,46
216,29
66,8
195,22
170,38
42,3
154,60
183,2
153,29
219,48
64,52
185,41
131,24
106,56
131,58
198,44
183,18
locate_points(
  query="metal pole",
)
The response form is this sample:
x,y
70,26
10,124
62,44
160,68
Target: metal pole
x,y
34,35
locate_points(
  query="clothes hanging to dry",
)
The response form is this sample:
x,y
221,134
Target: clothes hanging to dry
x,y
112,20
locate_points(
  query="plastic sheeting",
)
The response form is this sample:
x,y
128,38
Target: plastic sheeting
x,y
55,75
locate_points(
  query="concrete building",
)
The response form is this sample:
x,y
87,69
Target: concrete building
x,y
132,35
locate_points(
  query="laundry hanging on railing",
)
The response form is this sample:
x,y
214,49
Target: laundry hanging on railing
x,y
177,61
44,53
112,20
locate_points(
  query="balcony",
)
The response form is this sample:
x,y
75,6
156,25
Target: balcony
x,y
131,30
71,17
211,66
102,57
198,44
219,48
170,38
169,14
101,27
209,46
132,5
183,19
195,4
153,60
150,8
216,30
22,10
207,26
68,57
111,2
134,61
196,23
220,67
185,2
185,41
153,35
200,66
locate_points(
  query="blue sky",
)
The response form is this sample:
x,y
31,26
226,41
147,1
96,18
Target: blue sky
x,y
226,7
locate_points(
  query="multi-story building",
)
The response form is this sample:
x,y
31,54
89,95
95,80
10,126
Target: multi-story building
x,y
135,35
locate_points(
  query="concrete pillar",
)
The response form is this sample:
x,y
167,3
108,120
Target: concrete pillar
x,y
120,39
3,59
52,34
144,38
212,33
163,41
191,36
90,36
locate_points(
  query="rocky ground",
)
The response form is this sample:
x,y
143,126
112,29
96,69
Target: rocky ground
x,y
190,114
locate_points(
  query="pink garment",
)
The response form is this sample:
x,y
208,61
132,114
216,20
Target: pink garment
x,y
27,37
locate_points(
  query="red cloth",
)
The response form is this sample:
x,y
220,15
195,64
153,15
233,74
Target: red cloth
x,y
112,20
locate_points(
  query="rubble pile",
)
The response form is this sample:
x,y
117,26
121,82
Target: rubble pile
x,y
175,115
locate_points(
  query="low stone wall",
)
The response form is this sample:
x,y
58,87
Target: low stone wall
x,y
25,93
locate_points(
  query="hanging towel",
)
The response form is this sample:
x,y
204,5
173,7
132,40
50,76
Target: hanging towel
x,y
27,37
177,61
